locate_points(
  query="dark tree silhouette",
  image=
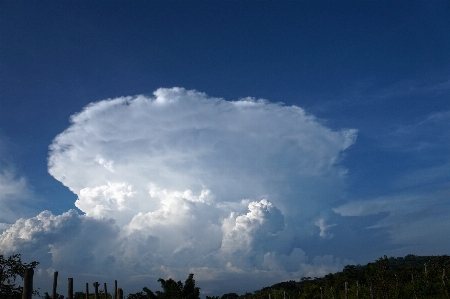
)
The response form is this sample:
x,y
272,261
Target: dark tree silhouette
x,y
12,269
171,290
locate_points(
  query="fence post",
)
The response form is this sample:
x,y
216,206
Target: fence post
x,y
106,292
27,290
115,289
87,290
371,291
321,292
55,284
120,293
96,284
70,289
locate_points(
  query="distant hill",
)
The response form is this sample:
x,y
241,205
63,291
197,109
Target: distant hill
x,y
406,277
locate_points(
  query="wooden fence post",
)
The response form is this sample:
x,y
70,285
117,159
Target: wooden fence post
x,y
115,289
371,291
55,284
106,292
27,290
87,290
96,284
120,293
321,292
70,289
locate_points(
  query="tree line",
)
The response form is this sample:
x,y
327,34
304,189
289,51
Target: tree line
x,y
410,277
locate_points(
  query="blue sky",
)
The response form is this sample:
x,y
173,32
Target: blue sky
x,y
322,127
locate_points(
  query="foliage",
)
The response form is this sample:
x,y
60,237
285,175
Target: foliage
x,y
138,295
11,269
82,295
58,296
394,278
230,296
171,290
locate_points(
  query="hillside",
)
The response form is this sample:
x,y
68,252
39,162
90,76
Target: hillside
x,y
402,277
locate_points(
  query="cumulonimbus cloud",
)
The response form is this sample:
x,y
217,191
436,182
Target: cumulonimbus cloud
x,y
195,183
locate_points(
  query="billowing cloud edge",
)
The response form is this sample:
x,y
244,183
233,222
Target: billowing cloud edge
x,y
183,182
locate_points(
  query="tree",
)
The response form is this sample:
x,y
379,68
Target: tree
x,y
58,296
149,294
138,295
230,296
171,290
82,295
190,291
11,269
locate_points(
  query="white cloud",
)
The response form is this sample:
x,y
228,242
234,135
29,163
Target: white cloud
x,y
11,186
103,200
414,214
16,195
430,133
413,221
253,229
14,192
185,140
225,189
324,233
72,244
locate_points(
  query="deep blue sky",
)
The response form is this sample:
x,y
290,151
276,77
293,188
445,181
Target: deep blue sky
x,y
380,67
352,64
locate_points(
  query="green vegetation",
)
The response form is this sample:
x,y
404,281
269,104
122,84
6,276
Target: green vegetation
x,y
11,269
411,277
171,290
79,295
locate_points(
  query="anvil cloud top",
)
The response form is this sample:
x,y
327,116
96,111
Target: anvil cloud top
x,y
245,142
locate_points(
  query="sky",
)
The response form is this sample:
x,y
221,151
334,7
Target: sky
x,y
247,142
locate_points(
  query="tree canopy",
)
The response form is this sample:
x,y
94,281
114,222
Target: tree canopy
x,y
171,289
12,270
